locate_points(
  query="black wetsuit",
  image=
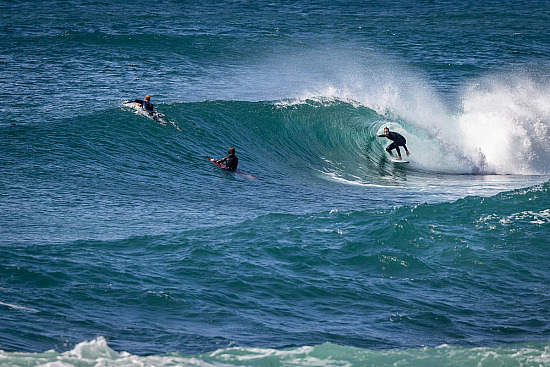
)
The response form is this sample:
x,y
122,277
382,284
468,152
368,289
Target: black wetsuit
x,y
146,105
231,162
398,140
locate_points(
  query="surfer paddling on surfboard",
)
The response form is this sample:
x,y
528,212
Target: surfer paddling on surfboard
x,y
398,140
145,107
231,161
143,103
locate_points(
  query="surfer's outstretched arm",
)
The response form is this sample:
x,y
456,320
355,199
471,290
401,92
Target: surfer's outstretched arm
x,y
138,101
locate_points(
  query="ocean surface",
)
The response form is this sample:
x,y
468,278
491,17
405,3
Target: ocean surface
x,y
122,245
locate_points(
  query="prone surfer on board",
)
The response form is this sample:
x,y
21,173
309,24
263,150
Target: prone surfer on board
x,y
144,104
231,160
398,140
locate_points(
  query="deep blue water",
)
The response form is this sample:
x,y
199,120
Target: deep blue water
x,y
120,244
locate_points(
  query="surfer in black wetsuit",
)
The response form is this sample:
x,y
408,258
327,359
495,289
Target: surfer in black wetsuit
x,y
144,104
231,160
398,140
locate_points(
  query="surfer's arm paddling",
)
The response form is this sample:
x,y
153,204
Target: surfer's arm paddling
x,y
231,161
145,106
143,103
398,140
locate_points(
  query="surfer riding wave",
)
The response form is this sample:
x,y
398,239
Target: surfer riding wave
x,y
398,140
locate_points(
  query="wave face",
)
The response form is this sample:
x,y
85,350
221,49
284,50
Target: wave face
x,y
338,136
120,243
131,174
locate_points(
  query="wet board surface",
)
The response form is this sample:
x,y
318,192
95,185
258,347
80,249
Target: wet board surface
x,y
156,116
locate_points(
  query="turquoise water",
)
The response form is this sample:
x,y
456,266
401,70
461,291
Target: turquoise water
x,y
121,244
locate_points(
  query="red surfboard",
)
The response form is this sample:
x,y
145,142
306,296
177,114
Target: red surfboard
x,y
222,166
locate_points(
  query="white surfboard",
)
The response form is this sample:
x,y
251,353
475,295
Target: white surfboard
x,y
158,117
140,111
399,161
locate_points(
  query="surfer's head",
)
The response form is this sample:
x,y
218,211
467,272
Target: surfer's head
x,y
386,131
147,98
231,150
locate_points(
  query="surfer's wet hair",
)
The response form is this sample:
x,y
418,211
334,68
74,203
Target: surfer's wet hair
x,y
231,150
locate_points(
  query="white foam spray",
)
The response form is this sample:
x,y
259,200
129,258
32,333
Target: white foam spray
x,y
507,119
503,126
